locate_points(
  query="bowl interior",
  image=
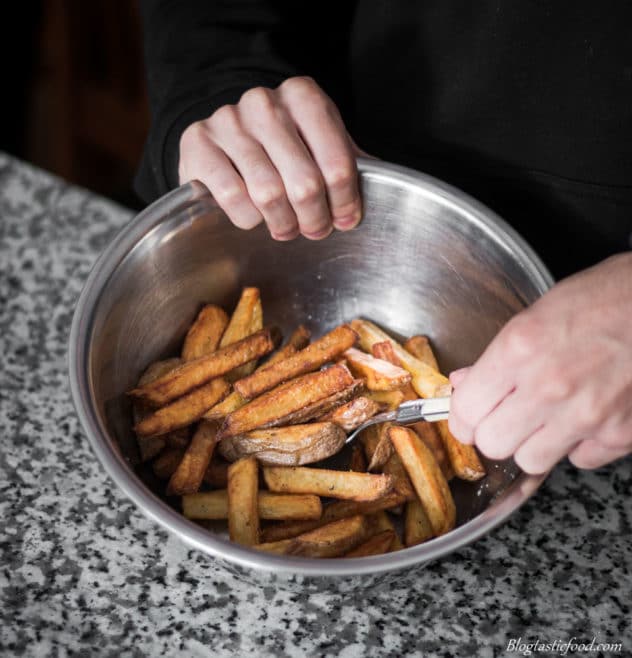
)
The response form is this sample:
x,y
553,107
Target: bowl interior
x,y
425,259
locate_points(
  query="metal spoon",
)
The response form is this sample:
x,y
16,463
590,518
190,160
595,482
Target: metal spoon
x,y
431,409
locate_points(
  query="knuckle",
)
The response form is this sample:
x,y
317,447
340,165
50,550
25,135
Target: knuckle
x,y
306,191
228,195
303,88
490,444
340,176
526,462
226,117
259,98
556,388
521,336
268,196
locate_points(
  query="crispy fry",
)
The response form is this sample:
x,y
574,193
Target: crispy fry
x,y
243,506
417,527
380,522
185,410
358,461
378,544
198,372
216,474
353,413
429,434
383,449
419,346
230,403
165,465
330,540
380,375
293,445
425,379
323,482
426,477
390,399
304,361
281,405
190,472
340,509
384,350
464,459
271,506
205,333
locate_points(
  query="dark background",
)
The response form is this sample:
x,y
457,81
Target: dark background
x,y
74,99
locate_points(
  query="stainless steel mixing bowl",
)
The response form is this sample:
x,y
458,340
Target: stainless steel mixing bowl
x,y
426,258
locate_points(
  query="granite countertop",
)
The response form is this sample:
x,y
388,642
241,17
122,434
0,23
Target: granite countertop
x,y
83,572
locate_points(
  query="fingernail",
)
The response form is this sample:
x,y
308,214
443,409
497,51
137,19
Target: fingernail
x,y
319,235
288,235
348,222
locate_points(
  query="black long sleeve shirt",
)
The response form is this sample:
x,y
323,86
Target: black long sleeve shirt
x,y
525,105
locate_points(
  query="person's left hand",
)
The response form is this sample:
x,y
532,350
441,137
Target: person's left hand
x,y
557,380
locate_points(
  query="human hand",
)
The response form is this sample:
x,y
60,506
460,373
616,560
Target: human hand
x,y
557,380
282,156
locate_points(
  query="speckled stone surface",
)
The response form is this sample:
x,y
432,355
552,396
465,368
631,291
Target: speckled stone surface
x,y
84,573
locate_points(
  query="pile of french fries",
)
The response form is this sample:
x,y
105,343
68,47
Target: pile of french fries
x,y
237,440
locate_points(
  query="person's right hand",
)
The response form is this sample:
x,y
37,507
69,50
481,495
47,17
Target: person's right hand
x,y
282,156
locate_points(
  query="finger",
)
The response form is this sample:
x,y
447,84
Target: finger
x,y
457,376
323,131
273,128
543,449
263,182
201,159
590,453
492,377
509,425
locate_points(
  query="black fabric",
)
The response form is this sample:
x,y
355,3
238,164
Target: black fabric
x,y
525,105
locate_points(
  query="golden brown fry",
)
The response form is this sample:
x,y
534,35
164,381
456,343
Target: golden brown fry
x,y
419,346
178,438
340,509
230,403
165,465
417,527
216,474
429,434
426,477
378,544
190,472
205,333
331,540
271,506
358,461
390,399
464,459
243,505
293,445
306,360
380,375
353,413
184,411
195,373
247,318
323,482
425,379
383,449
385,350
380,522
282,405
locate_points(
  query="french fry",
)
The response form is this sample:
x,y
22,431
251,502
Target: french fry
x,y
331,540
340,509
190,472
178,438
276,507
390,399
425,379
298,340
380,375
293,445
205,333
198,372
322,482
376,545
216,474
358,461
417,527
150,446
282,405
243,506
276,547
429,434
381,522
165,465
306,360
383,449
385,351
184,411
426,477
353,413
247,318
419,346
